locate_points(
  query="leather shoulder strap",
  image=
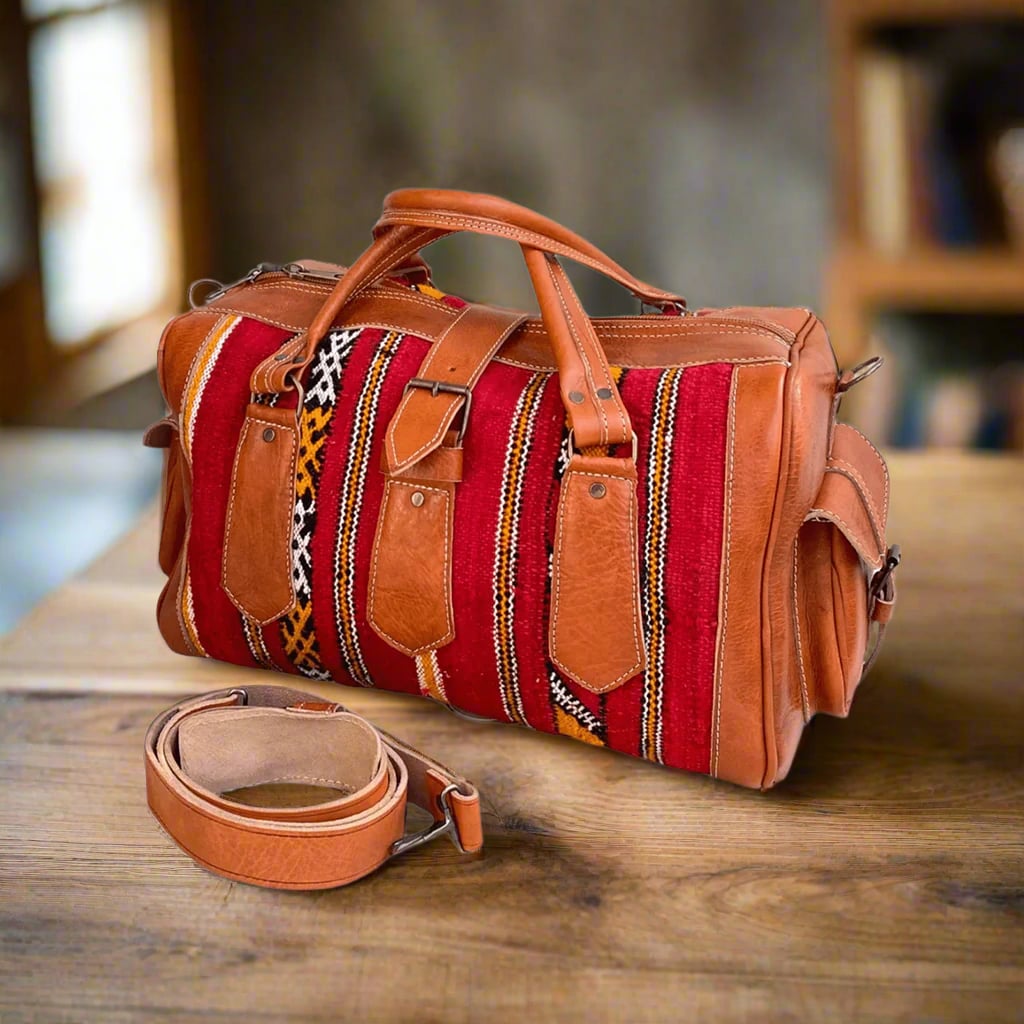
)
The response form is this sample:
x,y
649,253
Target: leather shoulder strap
x,y
201,750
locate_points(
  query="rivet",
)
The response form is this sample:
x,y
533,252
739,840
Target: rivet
x,y
604,392
417,499
576,397
598,490
281,356
269,434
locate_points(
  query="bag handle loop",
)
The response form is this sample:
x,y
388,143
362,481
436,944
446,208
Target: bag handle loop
x,y
414,218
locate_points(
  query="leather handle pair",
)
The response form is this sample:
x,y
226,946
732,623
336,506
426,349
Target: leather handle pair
x,y
414,218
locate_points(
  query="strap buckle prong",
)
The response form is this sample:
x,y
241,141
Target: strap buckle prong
x,y
437,386
434,829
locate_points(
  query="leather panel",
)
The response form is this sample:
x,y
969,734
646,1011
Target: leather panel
x,y
410,600
752,473
596,633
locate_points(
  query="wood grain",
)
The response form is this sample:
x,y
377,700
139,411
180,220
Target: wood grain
x,y
884,880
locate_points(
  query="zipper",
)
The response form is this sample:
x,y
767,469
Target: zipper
x,y
300,272
295,271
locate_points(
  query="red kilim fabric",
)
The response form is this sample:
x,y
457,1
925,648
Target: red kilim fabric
x,y
497,665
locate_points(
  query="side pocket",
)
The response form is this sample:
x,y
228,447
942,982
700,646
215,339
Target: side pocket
x,y
840,550
831,602
173,511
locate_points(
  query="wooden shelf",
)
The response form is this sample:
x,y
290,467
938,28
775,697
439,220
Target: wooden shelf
x,y
931,279
872,13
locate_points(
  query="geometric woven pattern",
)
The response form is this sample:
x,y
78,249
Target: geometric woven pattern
x,y
516,449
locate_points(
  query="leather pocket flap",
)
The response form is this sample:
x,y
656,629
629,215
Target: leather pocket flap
x,y
257,567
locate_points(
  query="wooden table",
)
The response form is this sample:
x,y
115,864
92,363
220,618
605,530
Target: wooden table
x,y
883,880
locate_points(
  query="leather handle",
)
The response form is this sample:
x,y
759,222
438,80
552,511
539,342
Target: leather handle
x,y
592,401
450,210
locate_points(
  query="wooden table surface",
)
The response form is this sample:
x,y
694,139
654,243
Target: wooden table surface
x,y
884,880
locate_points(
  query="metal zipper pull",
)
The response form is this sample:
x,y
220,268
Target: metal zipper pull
x,y
304,273
219,289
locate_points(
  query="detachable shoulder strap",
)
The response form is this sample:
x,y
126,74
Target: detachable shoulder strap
x,y
208,746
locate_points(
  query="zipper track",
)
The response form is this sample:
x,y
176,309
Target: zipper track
x,y
267,275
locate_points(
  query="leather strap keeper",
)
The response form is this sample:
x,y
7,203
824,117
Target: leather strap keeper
x,y
201,750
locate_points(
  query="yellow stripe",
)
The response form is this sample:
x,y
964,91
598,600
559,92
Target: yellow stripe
x,y
430,677
198,376
655,555
188,615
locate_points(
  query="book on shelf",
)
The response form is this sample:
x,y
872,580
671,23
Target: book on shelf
x,y
954,381
941,122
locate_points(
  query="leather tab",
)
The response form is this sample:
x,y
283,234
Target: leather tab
x,y
590,396
457,359
410,601
162,433
596,635
257,566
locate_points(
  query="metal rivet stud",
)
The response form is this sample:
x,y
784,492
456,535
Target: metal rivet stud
x,y
269,434
598,490
417,499
576,397
604,392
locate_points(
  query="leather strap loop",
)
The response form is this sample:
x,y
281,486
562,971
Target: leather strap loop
x,y
413,219
448,210
204,747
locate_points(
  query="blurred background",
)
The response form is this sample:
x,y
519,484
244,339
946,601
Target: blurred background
x,y
860,157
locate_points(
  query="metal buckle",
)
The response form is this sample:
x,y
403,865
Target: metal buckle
x,y
435,387
881,581
434,829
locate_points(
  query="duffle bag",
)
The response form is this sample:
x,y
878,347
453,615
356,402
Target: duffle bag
x,y
647,532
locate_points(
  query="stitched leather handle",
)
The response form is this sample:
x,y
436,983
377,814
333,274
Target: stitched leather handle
x,y
450,210
591,398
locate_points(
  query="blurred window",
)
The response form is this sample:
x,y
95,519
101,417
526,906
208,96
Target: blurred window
x,y
105,205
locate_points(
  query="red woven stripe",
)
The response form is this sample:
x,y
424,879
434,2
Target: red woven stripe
x,y
389,668
693,565
469,662
622,706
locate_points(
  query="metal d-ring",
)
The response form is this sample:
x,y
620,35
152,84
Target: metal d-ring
x,y
434,829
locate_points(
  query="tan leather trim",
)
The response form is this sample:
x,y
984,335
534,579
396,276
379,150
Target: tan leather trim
x,y
167,604
257,566
591,398
752,468
807,412
172,507
410,590
650,340
458,358
596,632
178,345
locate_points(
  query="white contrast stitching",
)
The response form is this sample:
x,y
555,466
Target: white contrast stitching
x,y
881,462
